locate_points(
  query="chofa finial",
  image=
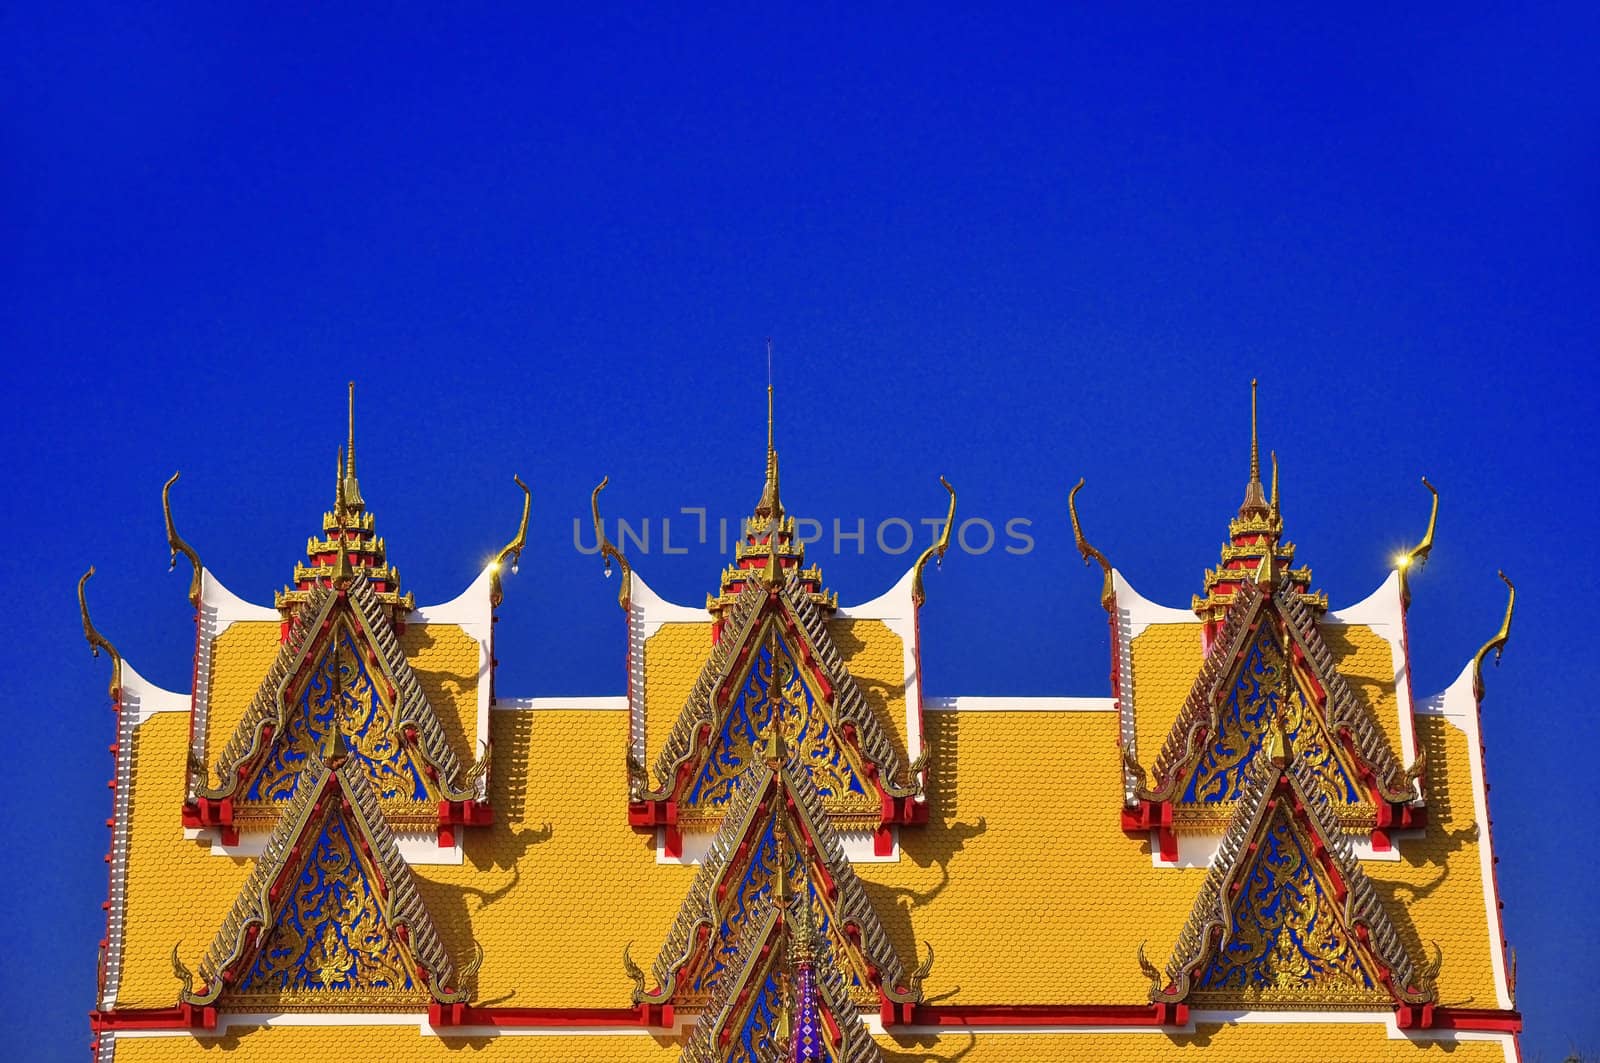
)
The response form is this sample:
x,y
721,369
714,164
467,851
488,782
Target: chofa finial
x,y
1497,643
1107,584
1254,497
97,641
608,549
178,546
349,486
1417,556
936,551
513,549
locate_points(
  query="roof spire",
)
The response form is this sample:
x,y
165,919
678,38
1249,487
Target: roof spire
x,y
349,488
1254,498
769,506
1276,512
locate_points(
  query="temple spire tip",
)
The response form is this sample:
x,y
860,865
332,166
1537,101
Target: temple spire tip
x,y
349,487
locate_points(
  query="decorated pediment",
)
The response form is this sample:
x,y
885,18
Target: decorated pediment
x,y
775,843
330,916
1270,662
1286,918
774,659
340,672
781,1002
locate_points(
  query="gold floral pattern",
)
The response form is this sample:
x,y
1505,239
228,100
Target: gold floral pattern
x,y
1287,940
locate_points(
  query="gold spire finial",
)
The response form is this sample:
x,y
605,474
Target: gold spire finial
x,y
1497,643
342,572
1277,513
338,485
97,641
1253,496
178,546
770,506
1255,446
350,487
1107,585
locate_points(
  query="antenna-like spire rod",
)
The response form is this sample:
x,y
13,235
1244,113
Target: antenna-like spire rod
x,y
1255,446
351,448
350,487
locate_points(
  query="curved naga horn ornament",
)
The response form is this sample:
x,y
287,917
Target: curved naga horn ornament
x,y
513,549
1417,556
635,974
181,972
177,545
97,641
1107,587
1497,643
1157,982
608,549
936,551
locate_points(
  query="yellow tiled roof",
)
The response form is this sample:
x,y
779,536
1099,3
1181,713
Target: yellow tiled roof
x,y
1045,900
1248,1043
560,884
445,660
1166,659
1435,892
240,658
1366,661
177,890
673,657
875,657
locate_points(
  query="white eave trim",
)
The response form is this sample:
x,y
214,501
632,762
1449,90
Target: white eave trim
x,y
605,703
1383,613
898,612
1459,706
138,700
473,612
1136,612
220,609
654,610
971,703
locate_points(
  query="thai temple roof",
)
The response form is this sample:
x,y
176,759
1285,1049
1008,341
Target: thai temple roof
x,y
1260,842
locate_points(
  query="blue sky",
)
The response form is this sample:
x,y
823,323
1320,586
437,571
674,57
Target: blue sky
x,y
1012,249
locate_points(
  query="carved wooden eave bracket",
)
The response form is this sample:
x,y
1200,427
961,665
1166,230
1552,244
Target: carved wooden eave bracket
x,y
1371,967
337,792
